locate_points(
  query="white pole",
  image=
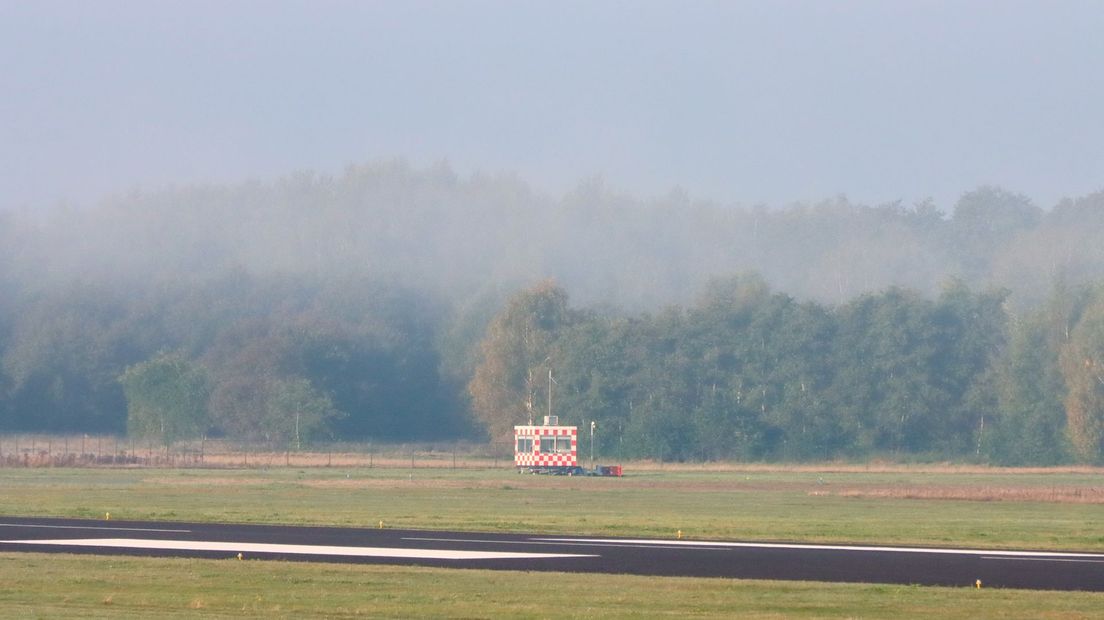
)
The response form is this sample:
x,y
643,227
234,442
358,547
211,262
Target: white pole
x,y
592,425
550,393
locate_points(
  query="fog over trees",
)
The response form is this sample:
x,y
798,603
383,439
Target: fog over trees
x,y
397,303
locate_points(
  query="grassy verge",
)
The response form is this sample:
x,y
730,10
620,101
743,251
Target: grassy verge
x,y
1037,509
51,586
970,507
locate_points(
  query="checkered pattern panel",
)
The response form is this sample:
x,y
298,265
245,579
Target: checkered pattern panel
x,y
535,458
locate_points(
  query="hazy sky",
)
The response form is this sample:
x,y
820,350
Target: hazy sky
x,y
734,101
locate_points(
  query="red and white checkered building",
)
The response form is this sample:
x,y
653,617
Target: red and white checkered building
x,y
547,445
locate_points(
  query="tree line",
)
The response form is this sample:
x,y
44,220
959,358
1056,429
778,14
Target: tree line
x,y
743,372
747,373
278,360
394,303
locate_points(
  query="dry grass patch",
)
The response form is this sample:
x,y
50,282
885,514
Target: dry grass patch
x,y
874,467
434,460
206,481
645,480
1056,495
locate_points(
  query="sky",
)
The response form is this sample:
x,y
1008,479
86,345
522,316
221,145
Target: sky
x,y
734,102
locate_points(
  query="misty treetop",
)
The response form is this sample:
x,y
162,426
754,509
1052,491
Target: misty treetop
x,y
396,303
453,237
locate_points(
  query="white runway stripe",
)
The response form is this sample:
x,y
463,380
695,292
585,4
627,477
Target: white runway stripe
x,y
94,527
540,541
811,547
1100,561
246,548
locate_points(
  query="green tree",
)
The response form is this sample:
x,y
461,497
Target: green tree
x,y
593,370
296,412
971,335
1030,427
510,381
166,398
66,351
879,358
369,348
1082,360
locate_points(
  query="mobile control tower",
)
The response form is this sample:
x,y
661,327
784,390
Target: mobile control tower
x,y
550,448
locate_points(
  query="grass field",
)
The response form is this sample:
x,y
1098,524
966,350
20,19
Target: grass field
x,y
969,507
1060,510
54,586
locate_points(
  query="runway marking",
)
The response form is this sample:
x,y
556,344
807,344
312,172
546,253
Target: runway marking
x,y
812,547
242,547
540,541
95,527
1044,560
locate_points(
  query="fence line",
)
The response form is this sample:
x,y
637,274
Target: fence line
x,y
114,451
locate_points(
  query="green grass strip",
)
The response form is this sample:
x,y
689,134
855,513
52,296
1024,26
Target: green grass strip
x,y
53,586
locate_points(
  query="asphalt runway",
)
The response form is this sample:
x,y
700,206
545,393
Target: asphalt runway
x,y
1048,570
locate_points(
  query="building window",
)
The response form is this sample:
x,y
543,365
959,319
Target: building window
x,y
524,445
559,444
563,445
547,445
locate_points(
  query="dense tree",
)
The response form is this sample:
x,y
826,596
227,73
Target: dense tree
x,y
166,399
971,332
593,367
1082,360
883,387
369,349
66,353
747,373
295,412
1030,425
514,369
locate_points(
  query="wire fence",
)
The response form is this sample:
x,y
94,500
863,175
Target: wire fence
x,y
116,451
